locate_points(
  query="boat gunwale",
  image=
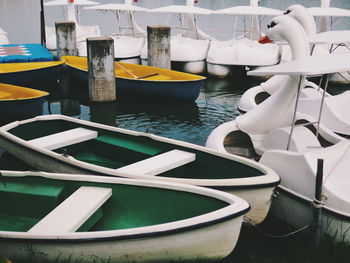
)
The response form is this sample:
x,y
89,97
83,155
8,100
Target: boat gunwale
x,y
268,177
207,219
54,64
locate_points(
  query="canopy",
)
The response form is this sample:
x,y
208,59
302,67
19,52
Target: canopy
x,y
183,9
117,7
314,65
64,2
249,10
331,37
328,11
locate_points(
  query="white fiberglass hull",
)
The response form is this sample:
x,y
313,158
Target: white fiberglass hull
x,y
124,47
297,211
184,49
257,190
242,52
207,243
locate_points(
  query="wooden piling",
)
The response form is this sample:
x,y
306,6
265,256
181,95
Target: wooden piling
x,y
318,204
66,39
158,45
102,86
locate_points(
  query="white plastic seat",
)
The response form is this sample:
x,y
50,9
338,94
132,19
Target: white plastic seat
x,y
62,139
73,212
159,163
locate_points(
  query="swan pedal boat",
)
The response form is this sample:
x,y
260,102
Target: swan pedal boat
x,y
335,107
130,39
189,48
243,50
293,151
64,144
18,103
29,72
139,80
82,31
82,218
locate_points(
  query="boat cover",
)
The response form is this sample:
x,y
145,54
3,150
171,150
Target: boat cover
x,y
24,53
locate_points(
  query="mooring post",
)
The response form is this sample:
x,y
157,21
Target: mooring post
x,y
70,107
317,204
66,39
158,45
102,86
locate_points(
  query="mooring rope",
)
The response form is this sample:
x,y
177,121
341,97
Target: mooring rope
x,y
249,221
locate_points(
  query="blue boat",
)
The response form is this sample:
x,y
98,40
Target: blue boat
x,y
141,81
29,72
18,103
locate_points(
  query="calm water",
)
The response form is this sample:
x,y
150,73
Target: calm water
x,y
190,122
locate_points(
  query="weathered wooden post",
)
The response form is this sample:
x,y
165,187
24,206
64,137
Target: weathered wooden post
x,y
101,76
66,39
158,45
318,204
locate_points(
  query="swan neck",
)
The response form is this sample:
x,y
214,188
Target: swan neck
x,y
325,3
190,2
299,45
254,2
71,12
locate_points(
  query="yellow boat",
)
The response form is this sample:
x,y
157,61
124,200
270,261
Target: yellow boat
x,y
140,80
18,103
29,72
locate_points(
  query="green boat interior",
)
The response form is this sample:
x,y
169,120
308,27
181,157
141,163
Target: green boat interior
x,y
117,150
27,200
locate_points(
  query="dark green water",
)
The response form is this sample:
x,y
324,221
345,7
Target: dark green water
x,y
187,121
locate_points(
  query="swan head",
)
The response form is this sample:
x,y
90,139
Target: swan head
x,y
303,16
286,27
281,27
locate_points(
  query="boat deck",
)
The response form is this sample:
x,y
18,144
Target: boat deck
x,y
24,53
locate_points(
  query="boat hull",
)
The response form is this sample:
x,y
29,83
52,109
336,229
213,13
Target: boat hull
x,y
205,244
136,224
170,90
259,196
12,110
18,103
49,71
297,211
257,189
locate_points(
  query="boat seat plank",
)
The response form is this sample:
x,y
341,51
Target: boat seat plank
x,y
74,211
62,139
159,163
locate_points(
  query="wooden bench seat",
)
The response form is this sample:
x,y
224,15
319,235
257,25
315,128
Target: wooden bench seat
x,y
62,139
73,212
159,163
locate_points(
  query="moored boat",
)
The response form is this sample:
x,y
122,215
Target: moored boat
x,y
63,144
29,72
18,103
71,218
292,143
139,80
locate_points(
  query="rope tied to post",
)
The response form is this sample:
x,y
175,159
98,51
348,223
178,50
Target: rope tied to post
x,y
317,203
248,221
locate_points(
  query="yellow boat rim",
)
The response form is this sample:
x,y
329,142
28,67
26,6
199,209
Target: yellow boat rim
x,y
134,71
17,67
12,92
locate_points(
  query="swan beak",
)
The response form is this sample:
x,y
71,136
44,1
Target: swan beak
x,y
265,40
